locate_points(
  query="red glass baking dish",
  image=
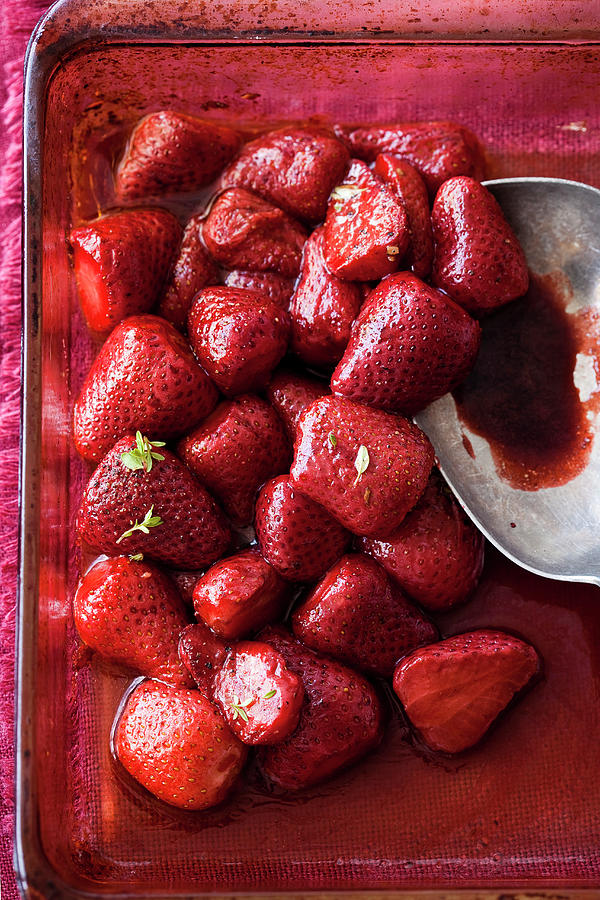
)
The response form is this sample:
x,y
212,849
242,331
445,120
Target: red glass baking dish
x,y
520,812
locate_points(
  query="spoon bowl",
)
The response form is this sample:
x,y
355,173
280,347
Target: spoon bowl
x,y
552,531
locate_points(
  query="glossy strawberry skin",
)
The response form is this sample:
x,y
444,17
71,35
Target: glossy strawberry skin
x,y
170,152
365,235
322,309
437,150
178,746
145,377
294,168
239,595
121,264
260,698
238,336
235,450
356,615
243,231
400,458
478,259
290,393
131,613
193,533
269,284
192,271
202,653
407,185
409,346
341,718
295,535
436,555
453,691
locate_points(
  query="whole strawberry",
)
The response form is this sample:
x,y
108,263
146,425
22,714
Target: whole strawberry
x,y
290,393
145,377
294,168
478,259
436,555
454,690
178,746
239,595
192,271
243,231
258,695
142,499
365,235
437,150
202,653
341,719
235,450
407,185
322,309
409,346
169,152
238,336
121,263
269,284
355,614
295,535
131,613
368,468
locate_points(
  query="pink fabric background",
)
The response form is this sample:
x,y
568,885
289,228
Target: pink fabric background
x,y
17,19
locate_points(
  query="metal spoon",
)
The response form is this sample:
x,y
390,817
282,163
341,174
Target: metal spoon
x,y
553,532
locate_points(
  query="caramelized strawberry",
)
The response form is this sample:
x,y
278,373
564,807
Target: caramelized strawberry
x,y
202,653
193,270
269,284
290,393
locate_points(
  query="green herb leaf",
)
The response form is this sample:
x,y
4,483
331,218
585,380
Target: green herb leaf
x,y
149,521
239,710
361,463
137,557
270,694
143,455
332,439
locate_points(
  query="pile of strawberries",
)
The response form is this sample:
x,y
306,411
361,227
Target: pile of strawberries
x,y
198,432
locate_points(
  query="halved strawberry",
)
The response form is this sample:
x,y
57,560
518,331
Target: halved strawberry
x,y
193,270
357,615
258,695
453,691
202,653
145,377
341,718
290,393
121,263
410,345
169,152
365,235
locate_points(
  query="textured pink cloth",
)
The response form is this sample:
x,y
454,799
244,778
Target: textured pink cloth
x,y
17,19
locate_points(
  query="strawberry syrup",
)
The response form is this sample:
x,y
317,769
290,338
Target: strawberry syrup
x,y
521,395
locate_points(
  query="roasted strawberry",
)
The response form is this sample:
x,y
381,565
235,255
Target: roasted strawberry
x,y
478,259
185,582
175,743
407,185
243,231
269,284
366,467
355,614
145,377
409,346
170,152
341,718
202,653
258,695
236,449
436,555
322,310
453,691
290,393
240,594
239,336
365,235
121,263
131,613
139,502
297,536
437,150
193,270
294,168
